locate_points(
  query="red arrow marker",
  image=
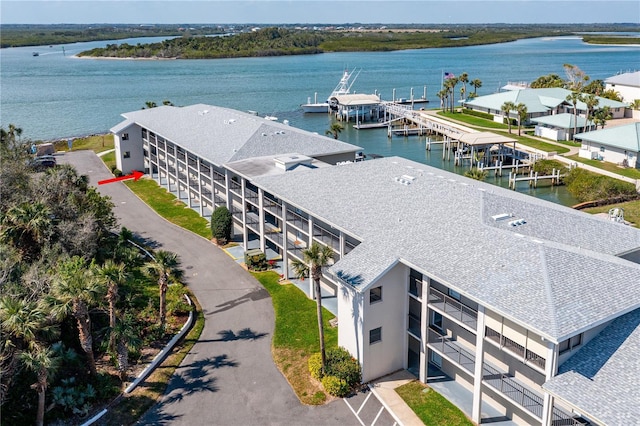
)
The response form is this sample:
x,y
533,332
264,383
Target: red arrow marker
x,y
135,176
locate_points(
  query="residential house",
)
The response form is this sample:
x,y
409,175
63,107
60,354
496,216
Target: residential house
x,y
619,145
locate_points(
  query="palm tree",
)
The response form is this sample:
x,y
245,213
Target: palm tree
x,y
75,289
112,275
574,98
43,361
23,324
601,115
165,267
521,110
334,130
149,104
464,79
25,227
506,108
127,337
592,102
476,83
315,258
443,95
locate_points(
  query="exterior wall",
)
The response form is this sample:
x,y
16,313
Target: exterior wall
x,y
627,93
549,133
129,152
390,313
612,154
350,321
336,158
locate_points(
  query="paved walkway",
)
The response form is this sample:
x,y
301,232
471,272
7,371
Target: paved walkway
x,y
229,377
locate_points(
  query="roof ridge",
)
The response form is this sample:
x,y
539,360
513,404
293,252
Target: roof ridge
x,y
548,289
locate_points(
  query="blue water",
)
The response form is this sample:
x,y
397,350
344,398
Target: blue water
x,y
55,95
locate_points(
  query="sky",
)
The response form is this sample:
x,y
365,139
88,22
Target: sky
x,y
319,12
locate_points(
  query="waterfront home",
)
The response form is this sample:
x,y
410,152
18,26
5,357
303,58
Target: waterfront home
x,y
539,103
626,84
433,272
561,127
619,145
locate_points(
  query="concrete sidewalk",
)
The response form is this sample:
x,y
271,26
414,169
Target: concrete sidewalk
x,y
384,390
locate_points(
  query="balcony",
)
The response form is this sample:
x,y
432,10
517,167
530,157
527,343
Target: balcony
x,y
507,385
415,325
326,237
235,186
453,308
251,196
519,351
348,246
298,221
253,221
273,207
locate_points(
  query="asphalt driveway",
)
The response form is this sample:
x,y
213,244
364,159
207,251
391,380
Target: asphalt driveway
x,y
229,377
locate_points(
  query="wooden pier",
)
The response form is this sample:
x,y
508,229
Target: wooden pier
x,y
533,178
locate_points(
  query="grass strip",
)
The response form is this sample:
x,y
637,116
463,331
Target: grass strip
x,y
169,207
631,210
629,172
432,408
296,336
95,143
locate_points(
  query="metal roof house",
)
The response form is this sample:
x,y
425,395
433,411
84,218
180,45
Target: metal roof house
x,y
620,145
539,102
561,127
626,84
497,290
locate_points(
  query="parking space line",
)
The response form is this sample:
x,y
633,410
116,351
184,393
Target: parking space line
x,y
363,404
379,413
354,413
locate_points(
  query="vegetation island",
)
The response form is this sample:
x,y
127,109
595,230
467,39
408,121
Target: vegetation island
x,y
216,41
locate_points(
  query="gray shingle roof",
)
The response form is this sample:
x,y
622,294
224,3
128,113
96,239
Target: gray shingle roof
x,y
549,274
222,135
602,379
631,79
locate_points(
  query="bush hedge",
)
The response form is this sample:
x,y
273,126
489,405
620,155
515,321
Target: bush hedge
x,y
335,386
315,366
221,225
480,114
588,186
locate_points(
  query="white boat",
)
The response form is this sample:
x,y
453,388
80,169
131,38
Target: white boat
x,y
343,88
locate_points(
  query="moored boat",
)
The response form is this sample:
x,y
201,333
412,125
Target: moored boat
x,y
343,88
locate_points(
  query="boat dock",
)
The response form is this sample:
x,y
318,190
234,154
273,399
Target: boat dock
x,y
533,178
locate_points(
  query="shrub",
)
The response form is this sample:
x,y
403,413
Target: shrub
x,y
480,114
256,260
341,364
335,386
221,225
315,366
589,186
545,167
176,302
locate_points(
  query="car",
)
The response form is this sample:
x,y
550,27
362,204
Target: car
x,y
43,162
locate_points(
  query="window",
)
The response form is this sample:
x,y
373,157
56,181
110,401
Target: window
x,y
454,294
125,136
436,320
375,335
436,359
375,295
602,149
570,344
126,154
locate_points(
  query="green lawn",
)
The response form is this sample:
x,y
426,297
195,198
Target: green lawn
x,y
169,207
629,172
109,159
432,408
631,210
97,143
296,336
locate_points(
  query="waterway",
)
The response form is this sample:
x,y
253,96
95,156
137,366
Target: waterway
x,y
55,95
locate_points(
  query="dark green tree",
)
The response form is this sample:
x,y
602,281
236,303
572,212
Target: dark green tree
x,y
221,225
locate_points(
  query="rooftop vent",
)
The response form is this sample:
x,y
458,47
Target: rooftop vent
x,y
405,180
517,222
502,216
203,112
